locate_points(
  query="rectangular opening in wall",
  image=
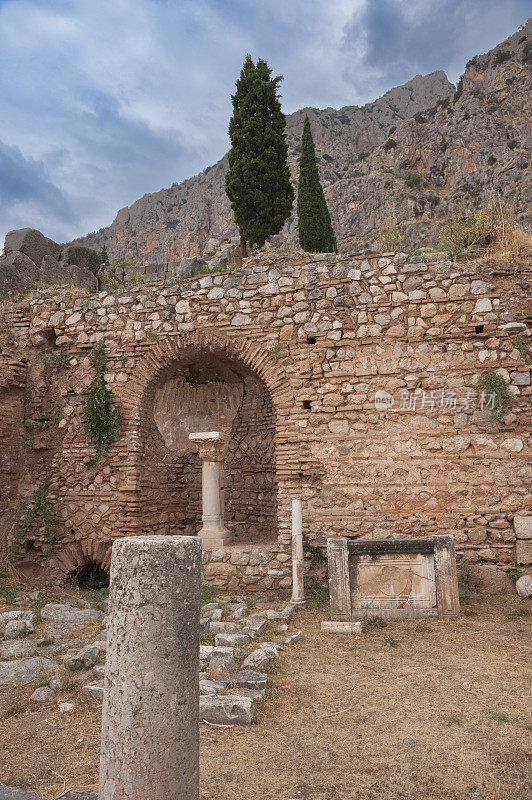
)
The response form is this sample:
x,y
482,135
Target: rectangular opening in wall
x,y
311,340
479,328
307,404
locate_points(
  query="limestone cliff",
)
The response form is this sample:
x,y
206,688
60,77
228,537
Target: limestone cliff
x,y
415,156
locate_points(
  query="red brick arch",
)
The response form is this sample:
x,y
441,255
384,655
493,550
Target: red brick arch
x,y
163,354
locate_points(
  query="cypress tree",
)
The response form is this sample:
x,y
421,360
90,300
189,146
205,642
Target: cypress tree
x,y
104,255
258,181
316,234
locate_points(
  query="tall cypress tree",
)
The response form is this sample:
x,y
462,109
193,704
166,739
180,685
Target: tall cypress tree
x,y
258,182
316,234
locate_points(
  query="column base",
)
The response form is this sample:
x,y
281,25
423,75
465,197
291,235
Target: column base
x,y
210,538
302,602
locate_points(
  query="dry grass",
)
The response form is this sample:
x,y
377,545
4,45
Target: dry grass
x,y
511,244
439,715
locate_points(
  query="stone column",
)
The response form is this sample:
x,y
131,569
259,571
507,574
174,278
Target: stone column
x,y
150,723
211,449
298,591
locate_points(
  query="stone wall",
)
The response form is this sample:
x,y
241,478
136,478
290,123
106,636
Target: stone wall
x,y
286,354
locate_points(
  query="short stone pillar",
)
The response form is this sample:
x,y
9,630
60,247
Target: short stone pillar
x,y
211,449
298,590
150,724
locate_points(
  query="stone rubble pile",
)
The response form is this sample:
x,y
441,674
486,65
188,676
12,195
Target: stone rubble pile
x,y
51,644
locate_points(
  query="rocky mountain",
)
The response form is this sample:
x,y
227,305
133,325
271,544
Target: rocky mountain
x,y
423,152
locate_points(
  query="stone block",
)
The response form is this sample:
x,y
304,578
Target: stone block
x,y
24,670
32,243
523,586
333,626
523,551
523,526
226,710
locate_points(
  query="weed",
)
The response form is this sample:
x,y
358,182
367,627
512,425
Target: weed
x,y
101,596
373,624
275,351
8,594
517,613
390,240
454,718
13,709
391,641
251,602
524,349
500,717
208,594
316,592
153,335
207,638
514,573
466,579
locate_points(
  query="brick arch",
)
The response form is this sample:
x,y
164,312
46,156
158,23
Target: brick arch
x,y
163,354
78,554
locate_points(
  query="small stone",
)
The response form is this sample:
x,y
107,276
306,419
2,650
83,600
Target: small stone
x,y
294,637
18,648
239,612
222,627
66,708
94,689
523,586
43,694
249,679
513,444
17,628
232,639
85,659
254,626
229,709
208,687
55,684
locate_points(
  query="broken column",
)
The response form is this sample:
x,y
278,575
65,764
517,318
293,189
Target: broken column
x,y
150,724
211,449
298,591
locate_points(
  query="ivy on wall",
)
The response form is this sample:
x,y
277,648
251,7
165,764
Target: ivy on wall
x,y
100,417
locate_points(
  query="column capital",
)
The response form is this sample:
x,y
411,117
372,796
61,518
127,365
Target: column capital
x,y
211,445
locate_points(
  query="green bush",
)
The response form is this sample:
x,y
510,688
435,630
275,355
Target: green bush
x,y
420,118
389,144
492,160
501,56
459,89
413,179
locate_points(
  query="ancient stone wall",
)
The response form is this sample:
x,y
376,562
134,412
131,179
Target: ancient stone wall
x,y
287,355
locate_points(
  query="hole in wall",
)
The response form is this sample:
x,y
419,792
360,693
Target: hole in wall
x,y
311,340
91,576
307,404
479,328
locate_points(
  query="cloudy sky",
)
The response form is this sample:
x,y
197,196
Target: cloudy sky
x,y
104,100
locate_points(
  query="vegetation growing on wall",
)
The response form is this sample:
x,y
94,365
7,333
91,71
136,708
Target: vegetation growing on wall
x,y
43,513
101,419
497,393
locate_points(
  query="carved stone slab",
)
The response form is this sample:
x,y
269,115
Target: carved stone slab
x,y
406,578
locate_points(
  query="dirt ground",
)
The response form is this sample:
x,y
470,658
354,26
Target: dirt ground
x,y
432,710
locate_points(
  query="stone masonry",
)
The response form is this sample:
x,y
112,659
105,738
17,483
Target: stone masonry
x,y
284,357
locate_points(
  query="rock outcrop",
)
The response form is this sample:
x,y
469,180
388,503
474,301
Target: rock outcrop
x,y
31,259
414,157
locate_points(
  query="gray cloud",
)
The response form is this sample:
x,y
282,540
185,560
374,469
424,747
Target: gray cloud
x,y
392,40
